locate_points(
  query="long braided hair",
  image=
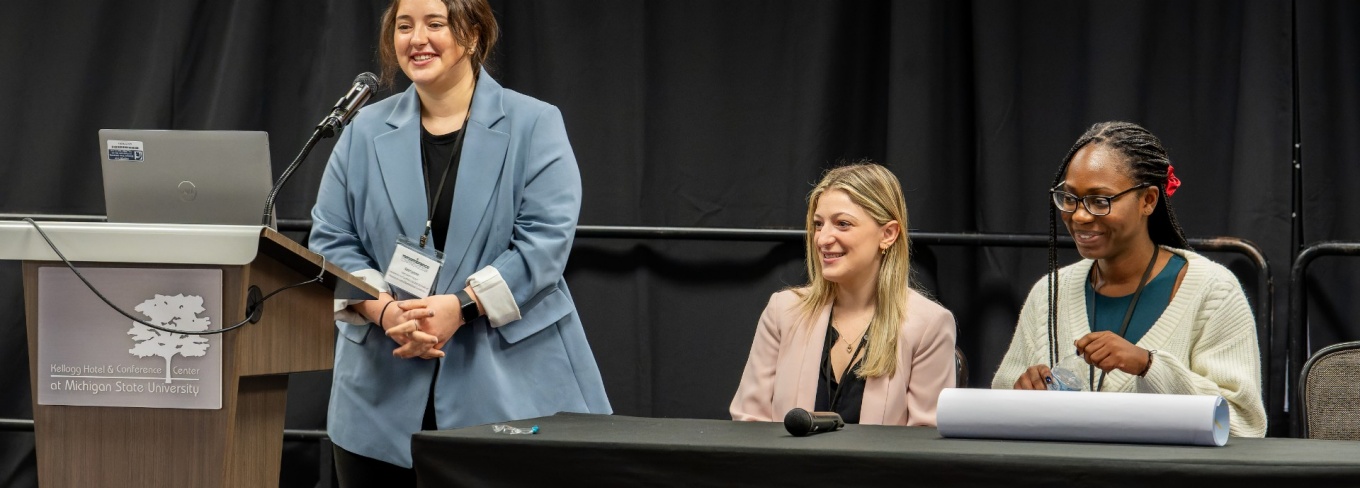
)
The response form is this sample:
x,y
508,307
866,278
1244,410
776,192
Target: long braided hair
x,y
1147,163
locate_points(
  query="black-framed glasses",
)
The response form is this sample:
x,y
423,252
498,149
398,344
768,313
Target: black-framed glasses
x,y
1097,205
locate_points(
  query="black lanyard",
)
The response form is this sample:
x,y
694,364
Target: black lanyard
x,y
834,397
1128,314
454,160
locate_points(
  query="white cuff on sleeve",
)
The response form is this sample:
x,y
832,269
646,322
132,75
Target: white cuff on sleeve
x,y
342,311
495,296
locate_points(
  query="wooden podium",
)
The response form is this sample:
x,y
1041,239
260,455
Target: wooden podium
x,y
239,444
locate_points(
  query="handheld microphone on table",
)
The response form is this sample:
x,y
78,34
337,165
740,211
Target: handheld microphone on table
x,y
801,422
330,126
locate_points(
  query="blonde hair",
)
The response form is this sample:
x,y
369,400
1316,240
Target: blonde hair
x,y
876,190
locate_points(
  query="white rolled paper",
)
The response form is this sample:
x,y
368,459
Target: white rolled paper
x,y
1143,418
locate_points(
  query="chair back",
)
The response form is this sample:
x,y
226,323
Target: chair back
x,y
1330,393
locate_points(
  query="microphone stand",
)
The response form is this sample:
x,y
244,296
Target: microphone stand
x,y
330,126
322,131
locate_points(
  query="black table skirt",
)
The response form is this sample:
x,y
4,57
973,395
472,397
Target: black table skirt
x,y
611,450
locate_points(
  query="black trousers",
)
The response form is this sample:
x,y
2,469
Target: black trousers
x,y
356,471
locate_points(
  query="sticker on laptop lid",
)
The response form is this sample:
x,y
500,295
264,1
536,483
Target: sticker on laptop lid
x,y
126,151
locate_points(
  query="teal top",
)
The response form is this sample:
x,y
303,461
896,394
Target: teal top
x,y
1107,313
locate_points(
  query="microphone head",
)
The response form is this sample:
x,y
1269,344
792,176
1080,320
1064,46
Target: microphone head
x,y
798,422
367,79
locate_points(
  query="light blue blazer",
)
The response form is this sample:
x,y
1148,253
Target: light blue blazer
x,y
515,206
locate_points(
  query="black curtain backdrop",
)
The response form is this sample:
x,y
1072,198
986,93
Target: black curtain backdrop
x,y
722,114
1329,108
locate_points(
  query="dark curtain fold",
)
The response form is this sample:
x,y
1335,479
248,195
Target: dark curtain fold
x,y
1329,116
722,114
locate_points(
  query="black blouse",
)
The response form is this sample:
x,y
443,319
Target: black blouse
x,y
436,153
845,395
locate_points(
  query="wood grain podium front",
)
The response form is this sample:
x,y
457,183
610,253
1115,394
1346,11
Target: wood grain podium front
x,y
239,444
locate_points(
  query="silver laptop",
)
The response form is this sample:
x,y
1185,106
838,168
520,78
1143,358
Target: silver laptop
x,y
185,177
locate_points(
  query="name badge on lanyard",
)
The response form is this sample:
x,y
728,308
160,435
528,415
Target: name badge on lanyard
x,y
413,269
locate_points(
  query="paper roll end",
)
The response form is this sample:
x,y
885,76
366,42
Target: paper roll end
x,y
1221,422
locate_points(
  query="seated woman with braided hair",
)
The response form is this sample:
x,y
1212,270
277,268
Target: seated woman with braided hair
x,y
1148,313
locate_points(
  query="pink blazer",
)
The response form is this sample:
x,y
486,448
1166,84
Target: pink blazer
x,y
781,372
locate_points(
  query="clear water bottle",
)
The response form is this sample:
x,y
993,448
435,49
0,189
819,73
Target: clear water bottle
x,y
1063,379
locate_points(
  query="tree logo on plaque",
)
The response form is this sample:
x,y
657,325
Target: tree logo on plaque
x,y
172,312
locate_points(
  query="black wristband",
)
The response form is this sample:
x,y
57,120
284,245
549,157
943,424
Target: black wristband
x,y
468,306
384,312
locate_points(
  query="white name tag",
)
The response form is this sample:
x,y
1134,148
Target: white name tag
x,y
412,270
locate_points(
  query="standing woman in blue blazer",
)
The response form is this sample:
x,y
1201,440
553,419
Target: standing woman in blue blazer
x,y
498,337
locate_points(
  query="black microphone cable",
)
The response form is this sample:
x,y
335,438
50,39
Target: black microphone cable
x,y
250,308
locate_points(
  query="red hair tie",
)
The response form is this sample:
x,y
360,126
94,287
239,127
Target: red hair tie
x,y
1172,182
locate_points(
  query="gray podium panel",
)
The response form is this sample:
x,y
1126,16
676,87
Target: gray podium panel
x,y
90,355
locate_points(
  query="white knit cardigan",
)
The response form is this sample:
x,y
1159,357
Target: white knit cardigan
x,y
1205,340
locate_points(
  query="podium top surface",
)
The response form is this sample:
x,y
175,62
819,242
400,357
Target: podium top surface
x,y
101,242
216,245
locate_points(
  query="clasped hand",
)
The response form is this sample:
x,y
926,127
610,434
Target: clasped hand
x,y
1105,350
425,325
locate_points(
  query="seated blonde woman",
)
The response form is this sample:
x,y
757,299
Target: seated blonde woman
x,y
856,339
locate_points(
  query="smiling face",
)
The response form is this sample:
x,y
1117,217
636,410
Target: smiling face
x,y
426,46
849,242
1096,170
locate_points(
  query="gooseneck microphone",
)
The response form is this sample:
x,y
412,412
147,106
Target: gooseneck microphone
x,y
358,95
801,422
330,126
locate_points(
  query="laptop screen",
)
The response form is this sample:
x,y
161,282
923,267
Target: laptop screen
x,y
185,177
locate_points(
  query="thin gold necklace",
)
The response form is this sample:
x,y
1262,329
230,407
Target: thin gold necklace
x,y
849,347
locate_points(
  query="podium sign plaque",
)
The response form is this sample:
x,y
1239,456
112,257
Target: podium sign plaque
x,y
117,404
90,355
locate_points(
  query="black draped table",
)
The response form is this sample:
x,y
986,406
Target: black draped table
x,y
612,450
